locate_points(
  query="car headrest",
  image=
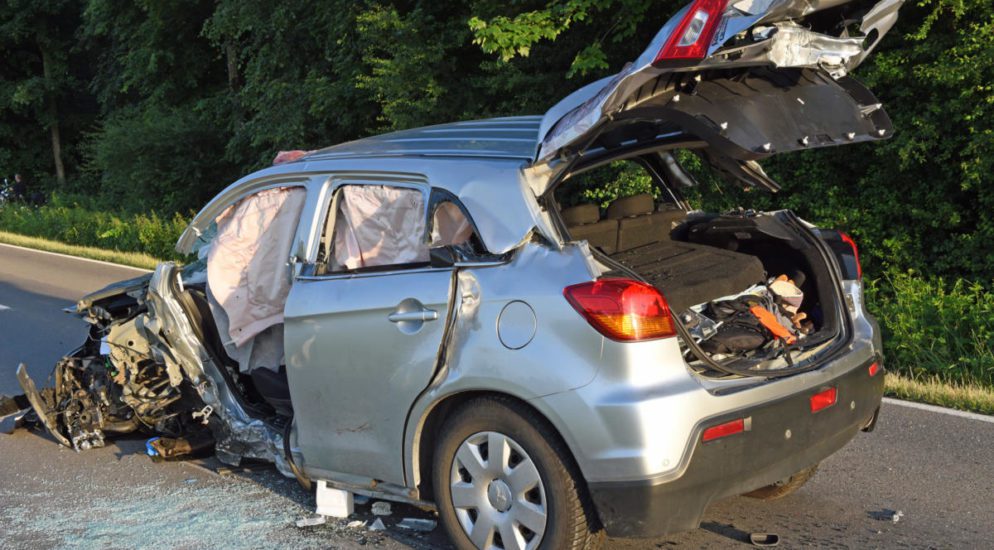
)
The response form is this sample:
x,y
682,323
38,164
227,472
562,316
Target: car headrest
x,y
581,214
626,207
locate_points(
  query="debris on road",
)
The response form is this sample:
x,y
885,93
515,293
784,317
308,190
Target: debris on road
x,y
887,514
764,540
418,524
357,524
381,508
378,525
333,502
311,521
13,421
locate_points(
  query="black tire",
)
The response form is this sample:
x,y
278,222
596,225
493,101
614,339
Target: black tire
x,y
571,522
784,487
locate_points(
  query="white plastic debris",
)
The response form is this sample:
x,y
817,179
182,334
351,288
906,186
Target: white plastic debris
x,y
357,524
381,508
378,525
312,521
333,502
418,524
896,517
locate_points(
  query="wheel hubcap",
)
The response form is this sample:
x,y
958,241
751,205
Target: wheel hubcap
x,y
497,493
500,495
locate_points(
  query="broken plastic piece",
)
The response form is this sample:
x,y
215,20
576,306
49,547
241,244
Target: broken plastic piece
x,y
312,521
378,525
150,450
13,421
764,539
418,524
332,502
381,508
357,524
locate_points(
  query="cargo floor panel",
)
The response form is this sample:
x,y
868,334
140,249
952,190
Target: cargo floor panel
x,y
690,274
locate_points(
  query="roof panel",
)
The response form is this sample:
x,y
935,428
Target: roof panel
x,y
509,137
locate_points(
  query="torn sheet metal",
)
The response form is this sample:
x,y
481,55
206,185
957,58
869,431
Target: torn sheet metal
x,y
795,46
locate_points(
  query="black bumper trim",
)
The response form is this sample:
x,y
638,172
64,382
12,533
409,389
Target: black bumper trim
x,y
743,462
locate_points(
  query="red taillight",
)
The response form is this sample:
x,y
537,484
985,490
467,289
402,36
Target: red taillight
x,y
824,399
855,252
622,309
724,430
874,368
693,34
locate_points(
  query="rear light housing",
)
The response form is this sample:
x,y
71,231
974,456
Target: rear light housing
x,y
726,429
693,34
874,369
625,310
855,252
824,399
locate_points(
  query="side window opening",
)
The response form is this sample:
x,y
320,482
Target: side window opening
x,y
377,226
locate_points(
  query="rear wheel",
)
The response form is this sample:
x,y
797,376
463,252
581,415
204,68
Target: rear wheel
x,y
784,487
503,479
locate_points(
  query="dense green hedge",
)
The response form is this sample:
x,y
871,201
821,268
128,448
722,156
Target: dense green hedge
x,y
934,328
83,222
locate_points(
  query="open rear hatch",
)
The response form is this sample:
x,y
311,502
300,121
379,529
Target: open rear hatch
x,y
736,82
747,79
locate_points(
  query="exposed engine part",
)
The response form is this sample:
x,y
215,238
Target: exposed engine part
x,y
147,368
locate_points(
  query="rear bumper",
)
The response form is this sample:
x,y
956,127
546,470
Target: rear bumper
x,y
742,462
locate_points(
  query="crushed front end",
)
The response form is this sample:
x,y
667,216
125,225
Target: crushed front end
x,y
144,368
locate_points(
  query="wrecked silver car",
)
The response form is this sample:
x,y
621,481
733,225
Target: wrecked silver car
x,y
419,316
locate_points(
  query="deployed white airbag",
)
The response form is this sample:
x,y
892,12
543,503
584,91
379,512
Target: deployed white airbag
x,y
378,225
247,265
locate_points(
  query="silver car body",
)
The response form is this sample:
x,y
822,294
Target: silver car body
x,y
363,388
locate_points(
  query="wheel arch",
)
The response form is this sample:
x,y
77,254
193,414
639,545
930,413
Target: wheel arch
x,y
428,429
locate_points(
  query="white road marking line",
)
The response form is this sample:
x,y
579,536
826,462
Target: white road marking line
x,y
122,266
3,307
940,410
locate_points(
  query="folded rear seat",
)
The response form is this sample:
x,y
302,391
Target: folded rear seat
x,y
639,238
689,274
585,224
639,224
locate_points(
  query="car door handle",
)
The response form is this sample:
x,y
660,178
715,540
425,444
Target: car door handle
x,y
417,315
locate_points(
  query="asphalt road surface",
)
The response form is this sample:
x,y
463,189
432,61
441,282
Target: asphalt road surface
x,y
936,468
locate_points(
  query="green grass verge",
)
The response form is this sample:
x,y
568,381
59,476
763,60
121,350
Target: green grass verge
x,y
133,259
965,397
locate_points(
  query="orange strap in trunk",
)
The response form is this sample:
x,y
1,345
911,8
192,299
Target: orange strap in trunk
x,y
769,320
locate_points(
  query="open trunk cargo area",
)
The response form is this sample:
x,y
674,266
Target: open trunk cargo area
x,y
705,263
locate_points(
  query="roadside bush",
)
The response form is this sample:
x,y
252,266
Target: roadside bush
x,y
934,329
83,222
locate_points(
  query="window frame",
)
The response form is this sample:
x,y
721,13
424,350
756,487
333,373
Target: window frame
x,y
327,209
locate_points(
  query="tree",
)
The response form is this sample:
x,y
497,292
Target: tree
x,y
36,39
